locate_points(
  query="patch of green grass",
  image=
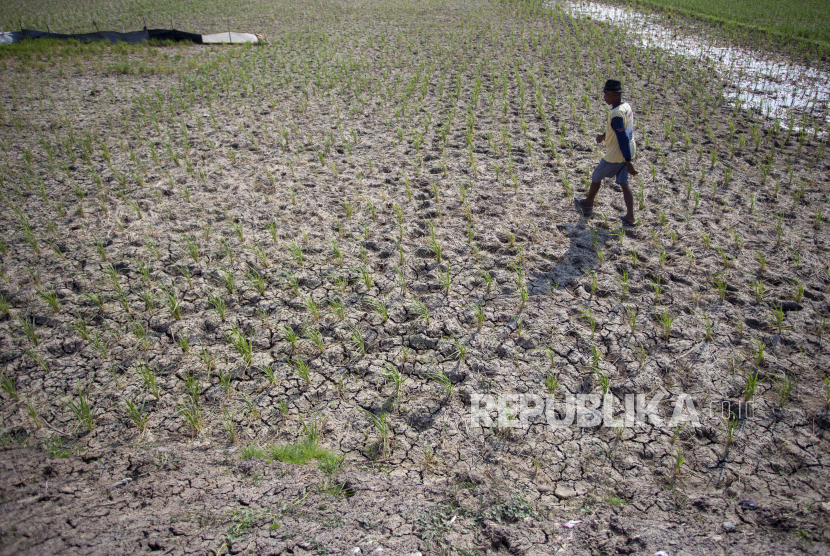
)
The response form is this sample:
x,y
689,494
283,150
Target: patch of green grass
x,y
801,19
298,454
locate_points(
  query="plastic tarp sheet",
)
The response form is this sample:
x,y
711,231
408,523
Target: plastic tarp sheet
x,y
133,37
111,36
229,37
174,35
12,37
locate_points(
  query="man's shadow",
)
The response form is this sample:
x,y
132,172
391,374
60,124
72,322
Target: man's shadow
x,y
579,261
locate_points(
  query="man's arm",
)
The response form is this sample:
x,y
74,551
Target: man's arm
x,y
618,126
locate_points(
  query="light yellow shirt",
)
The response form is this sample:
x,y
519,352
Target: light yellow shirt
x,y
612,146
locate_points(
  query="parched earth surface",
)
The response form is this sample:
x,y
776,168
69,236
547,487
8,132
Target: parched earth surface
x,y
339,241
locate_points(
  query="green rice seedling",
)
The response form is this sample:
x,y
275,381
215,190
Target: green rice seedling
x,y
826,392
341,283
592,321
99,247
778,317
313,333
337,254
551,383
657,287
237,227
436,248
192,248
171,299
783,387
821,327
4,305
338,307
381,424
631,314
136,414
229,423
149,300
149,378
227,279
678,461
603,380
82,328
312,307
758,352
257,279
444,381
708,335
193,387
524,294
705,239
32,412
366,276
731,426
209,359
356,340
27,325
759,290
724,256
242,344
479,314
380,308
251,409
446,280
798,290
269,374
272,229
192,414
624,284
721,286
259,252
82,409
301,368
290,336
218,305
183,340
393,376
51,298
488,279
296,252
38,359
227,249
596,356
421,310
293,284
751,385
401,279
144,270
8,384
665,322
460,351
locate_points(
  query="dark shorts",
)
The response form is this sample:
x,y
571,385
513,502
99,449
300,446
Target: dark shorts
x,y
610,169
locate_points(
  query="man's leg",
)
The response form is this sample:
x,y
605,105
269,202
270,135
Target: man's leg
x,y
588,201
629,202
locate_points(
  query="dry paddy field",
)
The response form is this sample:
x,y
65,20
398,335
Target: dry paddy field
x,y
253,298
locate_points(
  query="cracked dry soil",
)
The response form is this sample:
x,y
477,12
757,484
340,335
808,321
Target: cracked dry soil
x,y
300,188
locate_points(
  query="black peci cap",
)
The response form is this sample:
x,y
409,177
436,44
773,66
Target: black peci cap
x,y
613,86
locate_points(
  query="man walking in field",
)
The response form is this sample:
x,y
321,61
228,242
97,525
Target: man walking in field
x,y
619,150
